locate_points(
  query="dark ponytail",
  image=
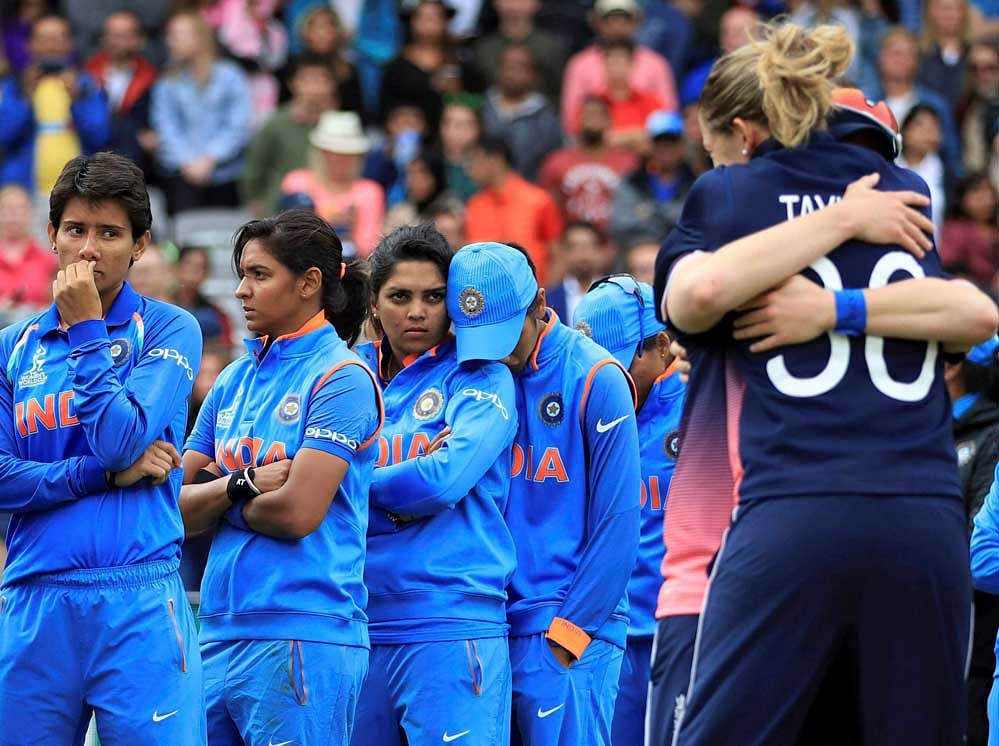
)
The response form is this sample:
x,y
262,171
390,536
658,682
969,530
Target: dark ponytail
x,y
300,240
355,290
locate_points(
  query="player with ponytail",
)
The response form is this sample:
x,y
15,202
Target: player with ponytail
x,y
809,591
278,466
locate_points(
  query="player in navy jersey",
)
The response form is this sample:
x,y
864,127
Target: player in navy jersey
x,y
92,609
618,313
925,308
278,465
439,552
817,435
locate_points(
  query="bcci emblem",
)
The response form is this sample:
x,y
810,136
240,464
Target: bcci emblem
x,y
121,350
472,302
290,409
428,404
672,445
582,326
36,376
552,410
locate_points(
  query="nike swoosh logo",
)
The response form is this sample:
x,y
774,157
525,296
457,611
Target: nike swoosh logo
x,y
157,717
546,713
602,428
455,737
283,743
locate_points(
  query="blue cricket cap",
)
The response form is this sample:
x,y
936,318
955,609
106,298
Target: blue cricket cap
x,y
619,314
983,354
490,286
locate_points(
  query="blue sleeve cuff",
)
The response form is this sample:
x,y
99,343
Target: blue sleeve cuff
x,y
87,331
92,477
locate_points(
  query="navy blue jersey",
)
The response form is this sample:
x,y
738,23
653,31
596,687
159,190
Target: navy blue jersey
x,y
838,415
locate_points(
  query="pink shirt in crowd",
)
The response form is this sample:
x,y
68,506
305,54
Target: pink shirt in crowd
x,y
28,280
585,76
365,201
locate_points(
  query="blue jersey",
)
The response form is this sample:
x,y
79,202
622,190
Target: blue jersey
x,y
442,575
306,390
575,494
659,436
826,417
77,402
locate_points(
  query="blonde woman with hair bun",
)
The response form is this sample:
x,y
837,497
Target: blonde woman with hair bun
x,y
849,515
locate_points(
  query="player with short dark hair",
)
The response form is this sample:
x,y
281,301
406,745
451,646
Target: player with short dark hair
x,y
279,464
93,406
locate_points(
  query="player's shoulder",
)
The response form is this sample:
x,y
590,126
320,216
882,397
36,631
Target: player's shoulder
x,y
488,374
11,334
588,359
161,313
900,177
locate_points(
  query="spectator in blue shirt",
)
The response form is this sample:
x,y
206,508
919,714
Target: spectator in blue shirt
x,y
201,112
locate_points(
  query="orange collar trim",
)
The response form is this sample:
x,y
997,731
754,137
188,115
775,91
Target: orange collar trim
x,y
549,325
315,323
670,370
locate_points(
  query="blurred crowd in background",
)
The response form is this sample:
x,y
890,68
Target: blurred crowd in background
x,y
569,127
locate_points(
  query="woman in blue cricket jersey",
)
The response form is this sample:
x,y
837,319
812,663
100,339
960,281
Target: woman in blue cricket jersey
x,y
439,552
92,608
618,313
819,509
278,465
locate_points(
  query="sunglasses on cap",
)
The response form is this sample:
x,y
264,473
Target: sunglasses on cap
x,y
629,285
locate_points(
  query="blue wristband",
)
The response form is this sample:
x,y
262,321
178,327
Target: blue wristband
x,y
851,312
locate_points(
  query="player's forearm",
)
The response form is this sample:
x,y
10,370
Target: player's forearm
x,y
703,288
953,312
202,505
282,515
33,485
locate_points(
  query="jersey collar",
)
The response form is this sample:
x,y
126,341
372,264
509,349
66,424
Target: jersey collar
x,y
542,352
317,323
123,310
383,350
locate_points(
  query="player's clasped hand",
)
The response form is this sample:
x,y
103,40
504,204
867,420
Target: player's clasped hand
x,y
796,311
157,461
889,217
272,476
74,291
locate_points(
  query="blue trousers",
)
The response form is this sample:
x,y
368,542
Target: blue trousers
x,y
853,607
570,706
671,658
633,692
117,643
436,692
281,692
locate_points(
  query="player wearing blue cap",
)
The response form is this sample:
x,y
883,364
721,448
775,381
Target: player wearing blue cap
x,y
770,582
619,314
279,464
92,609
439,552
574,499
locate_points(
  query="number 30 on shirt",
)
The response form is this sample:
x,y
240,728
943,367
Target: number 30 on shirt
x,y
839,344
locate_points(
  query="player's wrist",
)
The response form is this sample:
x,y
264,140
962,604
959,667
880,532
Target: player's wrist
x,y
851,312
240,486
